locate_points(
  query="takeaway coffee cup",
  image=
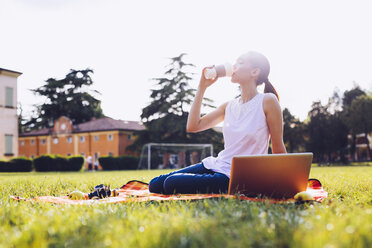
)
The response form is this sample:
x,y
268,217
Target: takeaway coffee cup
x,y
224,70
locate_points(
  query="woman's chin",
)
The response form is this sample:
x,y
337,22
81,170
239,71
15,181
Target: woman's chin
x,y
233,80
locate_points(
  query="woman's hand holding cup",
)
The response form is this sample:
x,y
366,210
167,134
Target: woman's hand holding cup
x,y
204,82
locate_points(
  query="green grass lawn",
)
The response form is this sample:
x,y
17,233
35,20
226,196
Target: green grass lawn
x,y
342,220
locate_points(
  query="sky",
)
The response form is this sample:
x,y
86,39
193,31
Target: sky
x,y
314,47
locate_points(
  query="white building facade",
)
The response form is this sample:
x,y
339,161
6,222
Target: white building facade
x,y
8,114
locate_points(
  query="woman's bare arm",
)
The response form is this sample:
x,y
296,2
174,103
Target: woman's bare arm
x,y
195,123
274,119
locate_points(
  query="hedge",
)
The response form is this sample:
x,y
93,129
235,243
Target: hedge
x,y
126,162
20,164
58,163
75,163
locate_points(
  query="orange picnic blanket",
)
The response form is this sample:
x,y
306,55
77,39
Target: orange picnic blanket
x,y
137,191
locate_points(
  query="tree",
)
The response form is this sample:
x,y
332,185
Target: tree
x,y
165,117
358,117
317,130
293,132
21,118
326,130
351,95
66,97
348,98
336,136
173,92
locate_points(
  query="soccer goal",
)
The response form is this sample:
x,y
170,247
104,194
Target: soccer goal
x,y
170,155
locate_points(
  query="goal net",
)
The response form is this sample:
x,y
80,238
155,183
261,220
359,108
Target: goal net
x,y
171,156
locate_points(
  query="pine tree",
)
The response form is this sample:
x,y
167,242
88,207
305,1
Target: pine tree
x,y
173,92
166,116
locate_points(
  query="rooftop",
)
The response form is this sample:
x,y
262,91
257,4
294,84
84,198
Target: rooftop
x,y
10,72
97,125
106,124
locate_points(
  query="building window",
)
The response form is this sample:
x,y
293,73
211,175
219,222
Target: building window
x,y
9,97
55,140
43,141
110,154
8,144
69,140
96,138
22,142
32,142
82,139
129,137
110,137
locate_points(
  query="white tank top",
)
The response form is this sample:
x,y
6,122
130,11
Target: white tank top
x,y
245,132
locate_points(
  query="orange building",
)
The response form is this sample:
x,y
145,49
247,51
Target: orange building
x,y
99,137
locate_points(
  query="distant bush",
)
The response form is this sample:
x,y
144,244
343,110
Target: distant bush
x,y
126,162
20,164
3,166
44,163
75,163
107,162
58,163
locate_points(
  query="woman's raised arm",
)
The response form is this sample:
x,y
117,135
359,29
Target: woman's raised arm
x,y
195,123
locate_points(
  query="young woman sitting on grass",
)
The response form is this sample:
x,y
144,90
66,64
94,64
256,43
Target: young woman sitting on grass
x,y
249,121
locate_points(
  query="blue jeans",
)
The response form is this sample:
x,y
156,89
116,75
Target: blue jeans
x,y
190,180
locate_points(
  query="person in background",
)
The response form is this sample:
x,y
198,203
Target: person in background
x,y
89,161
96,165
